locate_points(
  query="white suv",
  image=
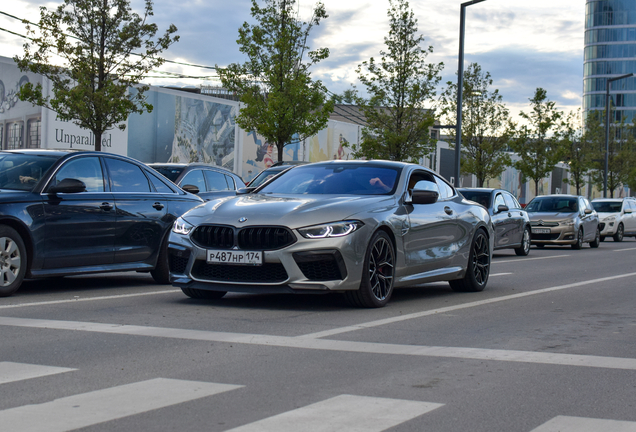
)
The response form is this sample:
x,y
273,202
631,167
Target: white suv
x,y
617,217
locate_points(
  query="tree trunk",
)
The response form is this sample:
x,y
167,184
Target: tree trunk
x,y
98,140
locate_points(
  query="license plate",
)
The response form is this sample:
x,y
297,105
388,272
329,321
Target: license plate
x,y
235,257
541,230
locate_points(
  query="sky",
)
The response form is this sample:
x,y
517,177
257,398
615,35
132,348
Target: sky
x,y
523,44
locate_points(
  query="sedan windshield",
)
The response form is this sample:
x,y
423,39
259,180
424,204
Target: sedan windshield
x,y
339,179
607,206
171,173
553,205
23,171
480,197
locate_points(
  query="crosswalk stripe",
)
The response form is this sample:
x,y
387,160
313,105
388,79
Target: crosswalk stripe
x,y
10,372
343,413
582,424
82,410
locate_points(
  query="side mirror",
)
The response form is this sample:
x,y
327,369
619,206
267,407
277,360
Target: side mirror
x,y
68,185
190,188
628,211
245,190
502,208
424,197
588,211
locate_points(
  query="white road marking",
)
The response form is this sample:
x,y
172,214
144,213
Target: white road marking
x,y
82,410
522,259
11,372
500,274
75,300
331,345
343,413
582,424
621,250
405,317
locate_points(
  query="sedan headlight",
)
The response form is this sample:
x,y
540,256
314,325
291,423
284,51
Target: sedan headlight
x,y
568,223
609,219
181,227
328,230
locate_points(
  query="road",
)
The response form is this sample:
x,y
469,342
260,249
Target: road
x,y
548,346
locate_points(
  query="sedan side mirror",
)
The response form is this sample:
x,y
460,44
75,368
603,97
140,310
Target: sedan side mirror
x,y
502,208
424,197
68,185
588,211
245,190
628,211
190,188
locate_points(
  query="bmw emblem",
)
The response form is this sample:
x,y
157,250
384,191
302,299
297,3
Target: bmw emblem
x,y
243,219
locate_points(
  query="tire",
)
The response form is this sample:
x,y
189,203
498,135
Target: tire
x,y
13,261
524,250
602,238
478,268
620,232
579,240
161,272
203,294
376,286
597,239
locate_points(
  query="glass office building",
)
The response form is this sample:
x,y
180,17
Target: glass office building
x,y
610,51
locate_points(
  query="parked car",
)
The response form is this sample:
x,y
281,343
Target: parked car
x,y
358,227
68,213
207,181
270,172
510,221
563,220
617,216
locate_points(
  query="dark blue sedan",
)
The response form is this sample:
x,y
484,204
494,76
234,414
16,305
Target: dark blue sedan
x,y
68,213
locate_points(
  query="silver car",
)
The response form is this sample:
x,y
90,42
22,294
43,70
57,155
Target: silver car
x,y
358,227
563,220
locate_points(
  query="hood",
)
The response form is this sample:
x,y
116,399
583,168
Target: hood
x,y
293,211
552,217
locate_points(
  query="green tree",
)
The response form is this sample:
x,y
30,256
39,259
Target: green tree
x,y
349,97
96,41
577,149
486,124
537,142
398,85
281,102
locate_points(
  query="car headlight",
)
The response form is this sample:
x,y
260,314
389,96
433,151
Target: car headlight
x,y
609,219
181,227
328,230
568,223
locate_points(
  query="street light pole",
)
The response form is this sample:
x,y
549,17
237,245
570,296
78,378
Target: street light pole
x,y
607,126
460,88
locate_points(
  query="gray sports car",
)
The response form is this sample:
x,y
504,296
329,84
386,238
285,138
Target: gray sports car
x,y
358,227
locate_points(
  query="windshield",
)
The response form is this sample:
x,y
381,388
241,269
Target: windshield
x,y
263,176
607,206
339,179
553,205
23,171
171,173
479,197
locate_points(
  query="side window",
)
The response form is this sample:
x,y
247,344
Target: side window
x,y
194,178
160,185
582,206
231,184
86,169
126,176
499,200
216,181
511,202
445,190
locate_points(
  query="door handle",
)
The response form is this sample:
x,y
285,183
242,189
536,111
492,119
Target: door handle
x,y
158,206
106,206
448,210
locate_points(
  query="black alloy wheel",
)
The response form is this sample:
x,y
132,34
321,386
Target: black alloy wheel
x,y
597,239
376,286
13,261
524,250
478,268
620,232
579,240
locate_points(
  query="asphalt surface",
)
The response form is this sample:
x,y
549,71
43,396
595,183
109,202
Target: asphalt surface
x,y
548,346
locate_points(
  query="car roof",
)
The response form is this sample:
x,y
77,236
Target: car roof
x,y
47,152
478,189
612,199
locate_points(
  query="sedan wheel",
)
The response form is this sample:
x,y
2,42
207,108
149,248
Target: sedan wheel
x,y
376,285
478,268
618,237
579,240
525,243
597,239
13,261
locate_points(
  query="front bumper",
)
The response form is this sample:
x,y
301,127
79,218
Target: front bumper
x,y
306,266
558,235
608,228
